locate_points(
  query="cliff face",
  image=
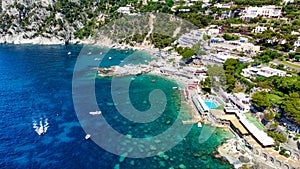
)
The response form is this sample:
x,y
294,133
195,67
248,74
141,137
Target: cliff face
x,y
69,21
37,22
7,3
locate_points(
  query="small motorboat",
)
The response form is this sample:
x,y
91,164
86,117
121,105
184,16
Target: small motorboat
x,y
175,87
95,113
199,124
110,58
40,130
69,53
88,136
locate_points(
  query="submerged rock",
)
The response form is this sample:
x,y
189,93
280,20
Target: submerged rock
x,y
182,166
204,158
117,166
162,164
160,154
109,104
122,158
131,162
166,157
157,141
153,148
128,135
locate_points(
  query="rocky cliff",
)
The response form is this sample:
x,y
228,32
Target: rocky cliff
x,y
44,21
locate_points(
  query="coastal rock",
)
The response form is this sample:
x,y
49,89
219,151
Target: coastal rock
x,y
18,39
244,159
182,166
153,148
117,166
129,136
131,162
162,164
157,141
204,158
122,158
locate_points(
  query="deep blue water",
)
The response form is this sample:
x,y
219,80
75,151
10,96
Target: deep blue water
x,y
36,84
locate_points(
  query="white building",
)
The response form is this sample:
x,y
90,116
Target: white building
x,y
295,33
241,45
225,6
264,71
125,10
258,134
297,43
288,1
213,32
266,11
221,57
241,101
248,47
259,29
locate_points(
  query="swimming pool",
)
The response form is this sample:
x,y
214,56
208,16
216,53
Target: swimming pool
x,y
211,104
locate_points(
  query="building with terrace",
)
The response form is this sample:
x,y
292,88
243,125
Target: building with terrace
x,y
270,11
253,72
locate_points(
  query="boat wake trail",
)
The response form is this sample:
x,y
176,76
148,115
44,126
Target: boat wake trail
x,y
42,127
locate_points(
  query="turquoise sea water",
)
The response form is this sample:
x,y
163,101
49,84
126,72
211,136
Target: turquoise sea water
x,y
36,85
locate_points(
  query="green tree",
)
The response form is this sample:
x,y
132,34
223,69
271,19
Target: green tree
x,y
206,84
230,63
230,37
278,137
230,82
260,100
188,53
269,116
291,106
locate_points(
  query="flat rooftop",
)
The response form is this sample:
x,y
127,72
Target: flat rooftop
x,y
236,123
260,135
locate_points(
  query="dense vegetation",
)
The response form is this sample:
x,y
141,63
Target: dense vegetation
x,y
257,2
259,100
186,53
230,37
268,55
233,69
285,94
292,10
279,138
